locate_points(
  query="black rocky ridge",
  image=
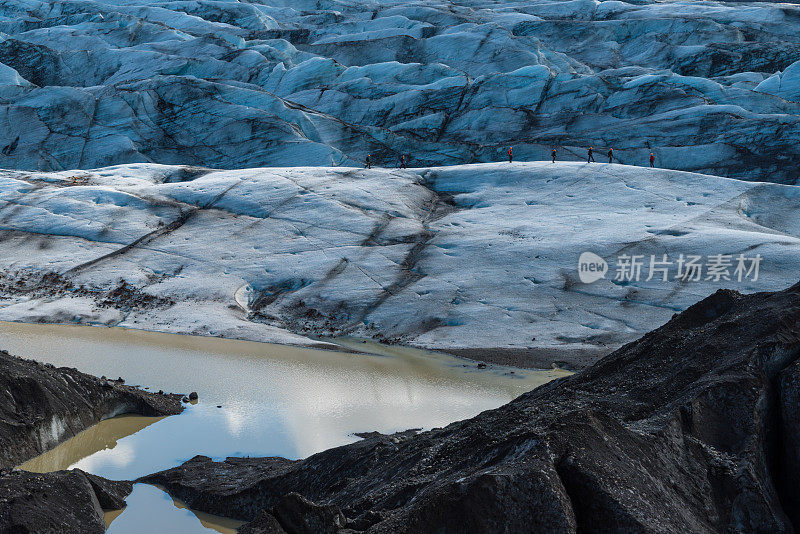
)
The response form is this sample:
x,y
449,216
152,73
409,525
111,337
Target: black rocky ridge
x,y
41,406
64,501
693,428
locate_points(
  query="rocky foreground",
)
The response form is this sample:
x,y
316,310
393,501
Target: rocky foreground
x,y
693,428
65,501
41,406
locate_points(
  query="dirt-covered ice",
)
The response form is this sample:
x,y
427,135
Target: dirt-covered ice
x,y
463,257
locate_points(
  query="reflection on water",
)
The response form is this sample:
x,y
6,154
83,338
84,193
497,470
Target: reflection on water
x,y
276,400
163,515
99,437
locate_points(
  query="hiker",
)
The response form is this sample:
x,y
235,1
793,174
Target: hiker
x,y
611,155
369,162
652,160
591,156
554,155
510,154
402,161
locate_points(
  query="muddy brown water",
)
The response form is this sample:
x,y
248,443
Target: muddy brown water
x,y
256,399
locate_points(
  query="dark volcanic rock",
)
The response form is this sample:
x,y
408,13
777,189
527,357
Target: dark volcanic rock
x,y
264,523
64,501
40,406
789,461
295,513
111,494
693,428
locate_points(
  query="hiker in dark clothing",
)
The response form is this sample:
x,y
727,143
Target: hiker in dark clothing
x,y
402,161
652,160
611,155
369,162
591,156
510,154
554,155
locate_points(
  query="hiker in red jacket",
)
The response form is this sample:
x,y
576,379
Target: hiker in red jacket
x,y
652,160
510,154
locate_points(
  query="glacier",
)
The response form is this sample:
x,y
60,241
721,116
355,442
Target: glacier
x,y
708,87
461,258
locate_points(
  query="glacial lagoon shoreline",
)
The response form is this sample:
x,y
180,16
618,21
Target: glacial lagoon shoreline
x,y
410,387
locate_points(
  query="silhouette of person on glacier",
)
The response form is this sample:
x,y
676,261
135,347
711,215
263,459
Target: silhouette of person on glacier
x,y
368,162
611,155
402,161
510,154
652,160
590,159
554,155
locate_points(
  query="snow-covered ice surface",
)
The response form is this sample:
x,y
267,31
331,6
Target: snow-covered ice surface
x,y
707,86
474,256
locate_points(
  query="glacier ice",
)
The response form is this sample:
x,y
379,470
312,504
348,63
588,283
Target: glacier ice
x,y
709,87
469,256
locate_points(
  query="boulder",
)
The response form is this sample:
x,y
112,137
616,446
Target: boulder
x,y
59,502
